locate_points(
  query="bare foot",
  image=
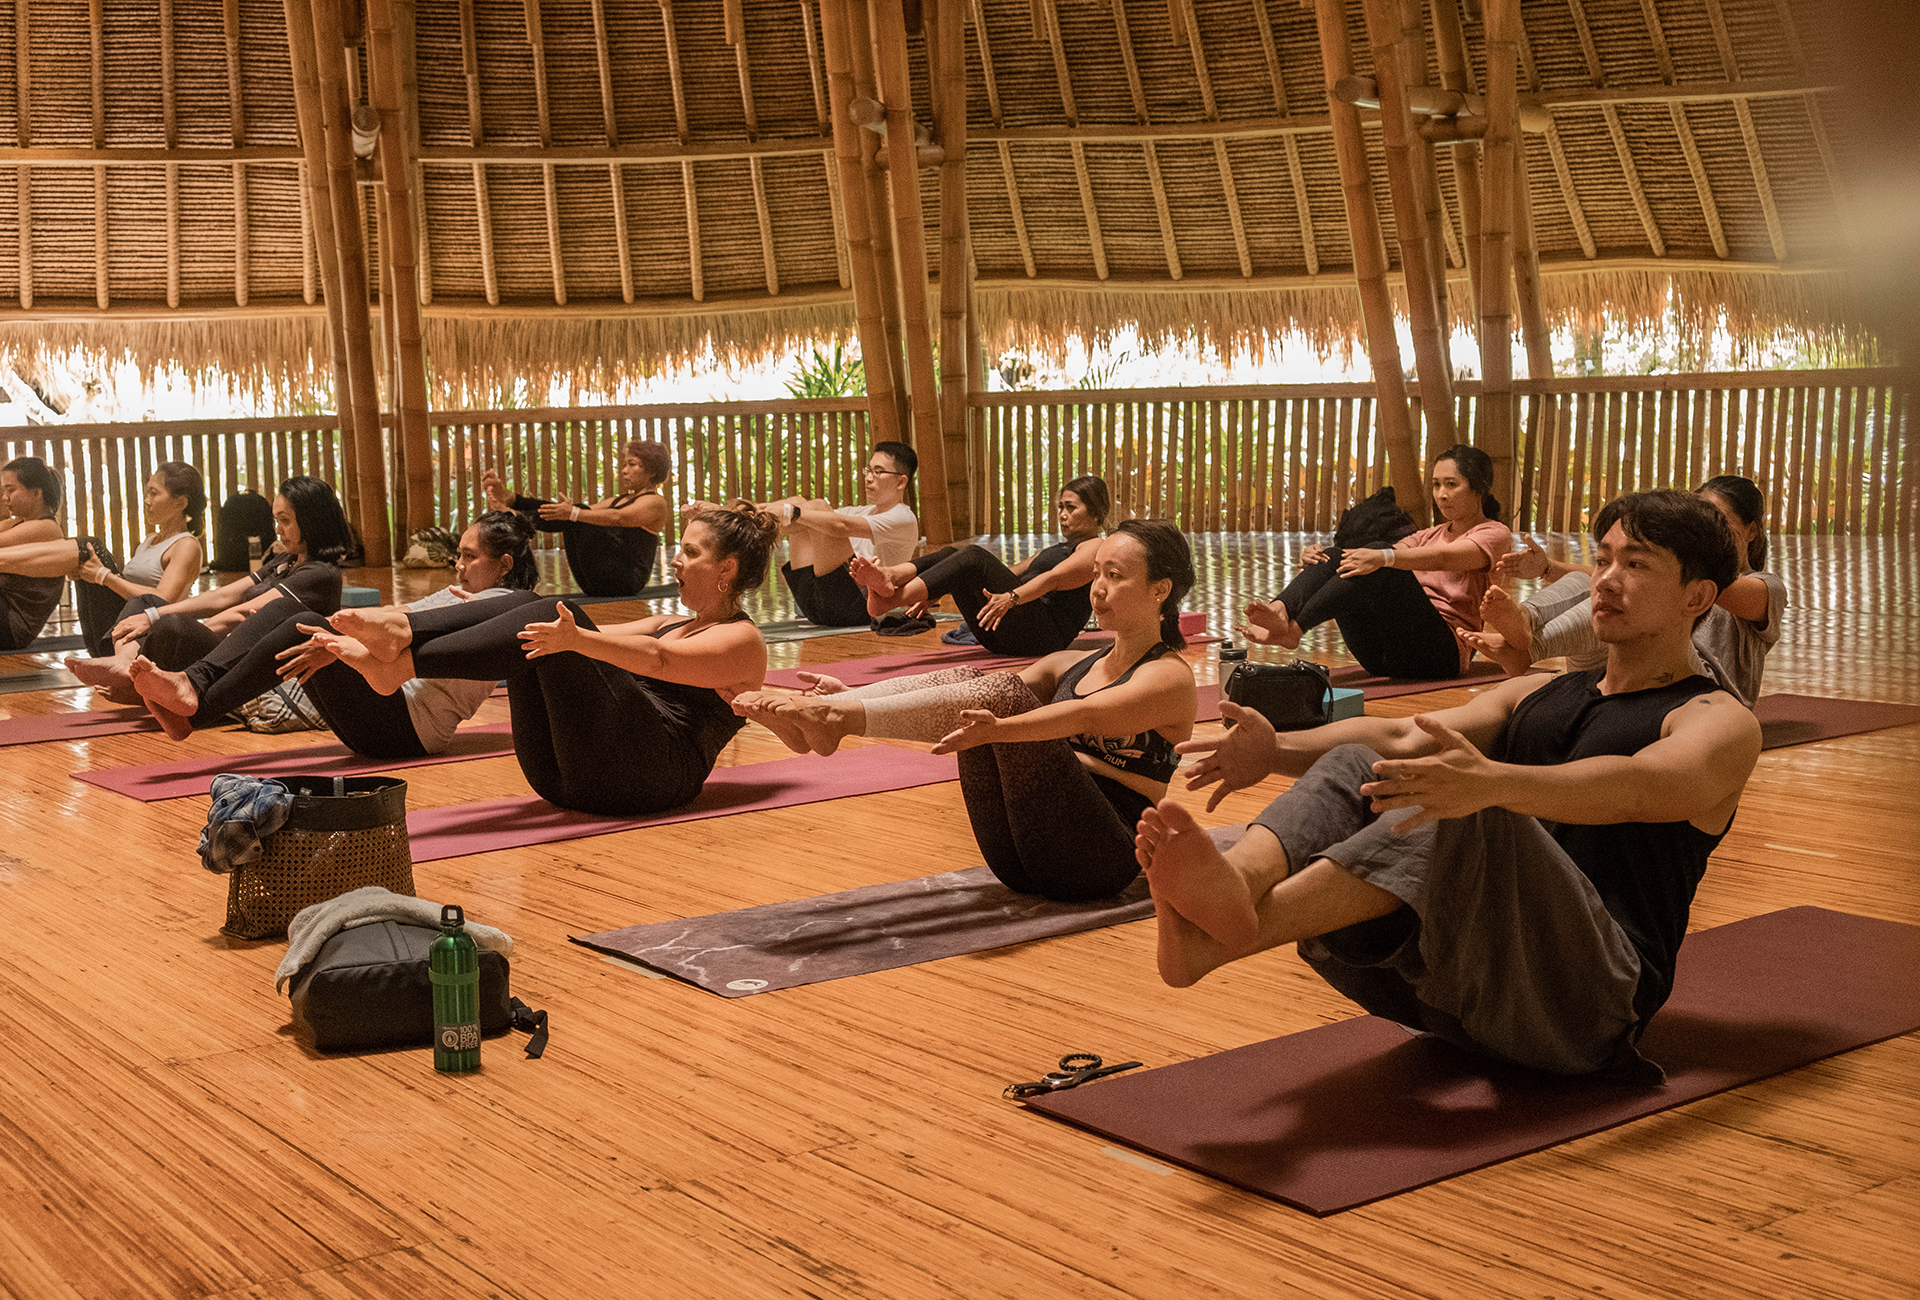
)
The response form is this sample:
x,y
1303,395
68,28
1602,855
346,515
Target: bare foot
x,y
1493,647
1191,877
382,633
764,708
823,720
1503,616
1268,623
169,697
107,676
871,576
385,675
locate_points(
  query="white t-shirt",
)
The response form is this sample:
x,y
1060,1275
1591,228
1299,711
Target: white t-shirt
x,y
895,533
438,705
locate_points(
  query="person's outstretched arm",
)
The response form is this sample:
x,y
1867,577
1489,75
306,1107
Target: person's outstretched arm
x,y
725,655
1076,570
1159,696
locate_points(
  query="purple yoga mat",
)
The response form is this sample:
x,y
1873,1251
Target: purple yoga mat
x,y
1796,719
75,726
437,833
149,782
1350,1112
1385,688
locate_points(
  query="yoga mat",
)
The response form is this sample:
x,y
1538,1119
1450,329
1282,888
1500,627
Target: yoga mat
x,y
40,679
860,931
150,782
53,645
438,833
1386,688
75,726
1347,1113
1797,719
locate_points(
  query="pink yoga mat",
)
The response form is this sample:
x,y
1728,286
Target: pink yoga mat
x,y
438,833
149,782
1347,1113
1796,719
75,726
1386,688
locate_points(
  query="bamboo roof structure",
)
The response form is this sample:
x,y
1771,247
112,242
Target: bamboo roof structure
x,y
601,186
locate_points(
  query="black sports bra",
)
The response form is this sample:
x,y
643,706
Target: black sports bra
x,y
1147,753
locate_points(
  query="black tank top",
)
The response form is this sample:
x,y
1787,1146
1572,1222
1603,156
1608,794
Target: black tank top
x,y
707,720
1644,872
1071,608
1147,753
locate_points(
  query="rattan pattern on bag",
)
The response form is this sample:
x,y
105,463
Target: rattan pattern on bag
x,y
331,843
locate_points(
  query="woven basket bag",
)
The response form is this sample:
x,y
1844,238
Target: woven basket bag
x,y
343,833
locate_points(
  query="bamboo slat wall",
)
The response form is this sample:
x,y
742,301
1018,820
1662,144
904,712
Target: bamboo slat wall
x,y
1832,450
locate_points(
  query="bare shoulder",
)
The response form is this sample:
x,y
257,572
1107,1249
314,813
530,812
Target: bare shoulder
x,y
1714,716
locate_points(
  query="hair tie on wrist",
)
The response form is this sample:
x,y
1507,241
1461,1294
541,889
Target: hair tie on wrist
x,y
575,514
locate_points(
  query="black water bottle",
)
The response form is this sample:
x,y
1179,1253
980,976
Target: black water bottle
x,y
453,964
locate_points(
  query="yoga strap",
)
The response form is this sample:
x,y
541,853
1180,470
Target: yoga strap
x,y
529,1021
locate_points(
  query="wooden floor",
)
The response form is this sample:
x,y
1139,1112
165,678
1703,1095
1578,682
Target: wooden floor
x,y
162,1133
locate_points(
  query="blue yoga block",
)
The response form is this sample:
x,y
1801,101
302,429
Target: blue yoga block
x,y
1347,703
359,597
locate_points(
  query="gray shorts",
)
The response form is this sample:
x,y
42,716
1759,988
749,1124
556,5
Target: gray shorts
x,y
1502,947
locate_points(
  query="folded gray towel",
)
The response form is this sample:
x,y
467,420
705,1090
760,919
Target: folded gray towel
x,y
312,926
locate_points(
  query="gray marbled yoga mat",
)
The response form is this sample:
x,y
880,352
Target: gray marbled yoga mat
x,y
874,928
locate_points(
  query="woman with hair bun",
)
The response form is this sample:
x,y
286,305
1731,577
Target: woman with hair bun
x,y
1059,760
1031,608
495,562
622,720
1400,607
611,544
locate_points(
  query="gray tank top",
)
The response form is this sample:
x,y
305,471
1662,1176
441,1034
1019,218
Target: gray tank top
x,y
148,561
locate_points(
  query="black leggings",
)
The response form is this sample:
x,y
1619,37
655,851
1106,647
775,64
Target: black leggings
x,y
827,599
1044,823
246,664
589,736
605,559
967,573
1386,617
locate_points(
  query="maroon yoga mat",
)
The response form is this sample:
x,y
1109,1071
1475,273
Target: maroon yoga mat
x,y
1350,1112
149,782
1385,688
1797,719
75,726
437,833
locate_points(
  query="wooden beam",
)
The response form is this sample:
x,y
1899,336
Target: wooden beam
x,y
1611,116
1296,174
1496,240
1576,211
97,30
696,273
1670,92
237,113
405,25
817,76
757,179
169,136
1158,186
603,55
1405,471
869,323
309,271
985,44
318,209
1743,113
1702,187
1456,74
142,156
409,397
350,244
864,55
1526,277
537,45
1096,244
1222,163
603,58
470,66
1386,34
947,61
23,77
1816,123
890,60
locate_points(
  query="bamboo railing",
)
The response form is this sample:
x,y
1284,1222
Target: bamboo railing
x,y
1833,451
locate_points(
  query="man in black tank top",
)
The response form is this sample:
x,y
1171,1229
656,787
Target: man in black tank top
x,y
1513,875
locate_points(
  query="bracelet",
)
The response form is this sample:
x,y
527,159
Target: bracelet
x,y
796,514
575,514
1386,554
153,614
1014,595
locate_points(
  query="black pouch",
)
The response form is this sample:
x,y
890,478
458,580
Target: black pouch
x,y
1376,521
368,987
1290,696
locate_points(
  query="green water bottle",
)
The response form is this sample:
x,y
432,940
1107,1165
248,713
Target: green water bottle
x,y
453,963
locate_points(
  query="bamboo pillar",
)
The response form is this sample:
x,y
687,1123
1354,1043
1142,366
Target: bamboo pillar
x,y
864,61
412,431
1543,427
1450,47
350,245
1385,34
949,61
882,413
307,114
1496,238
903,176
1404,469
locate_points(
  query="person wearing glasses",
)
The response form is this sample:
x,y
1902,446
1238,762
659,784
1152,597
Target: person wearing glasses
x,y
822,539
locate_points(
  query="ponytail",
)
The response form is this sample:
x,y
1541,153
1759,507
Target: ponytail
x,y
1169,557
